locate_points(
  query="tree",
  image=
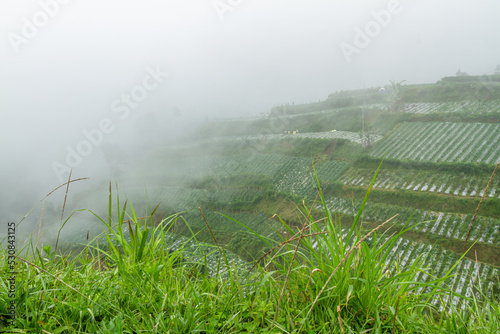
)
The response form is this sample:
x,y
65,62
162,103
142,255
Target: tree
x,y
395,96
366,138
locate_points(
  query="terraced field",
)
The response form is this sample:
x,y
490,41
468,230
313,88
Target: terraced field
x,y
437,142
468,275
334,134
449,225
436,201
423,181
288,175
474,107
442,142
294,175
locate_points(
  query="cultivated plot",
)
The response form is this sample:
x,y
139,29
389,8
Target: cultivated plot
x,y
442,142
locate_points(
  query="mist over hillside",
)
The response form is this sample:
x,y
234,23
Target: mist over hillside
x,y
250,166
99,89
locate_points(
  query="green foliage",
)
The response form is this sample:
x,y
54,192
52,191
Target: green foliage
x,y
260,181
433,202
337,100
447,90
472,78
323,278
469,168
345,119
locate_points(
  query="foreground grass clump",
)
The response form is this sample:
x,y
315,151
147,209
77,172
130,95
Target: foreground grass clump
x,y
320,279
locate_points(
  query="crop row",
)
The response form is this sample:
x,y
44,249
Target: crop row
x,y
228,195
445,183
442,142
475,107
297,177
223,166
285,114
334,134
288,174
330,171
219,223
207,256
435,261
449,225
467,276
197,253
77,231
180,199
176,198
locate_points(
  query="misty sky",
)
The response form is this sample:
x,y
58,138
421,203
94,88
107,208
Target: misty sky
x,y
65,67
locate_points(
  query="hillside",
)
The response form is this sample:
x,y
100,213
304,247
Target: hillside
x,y
352,214
440,143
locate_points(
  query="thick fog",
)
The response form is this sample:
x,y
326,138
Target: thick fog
x,y
86,81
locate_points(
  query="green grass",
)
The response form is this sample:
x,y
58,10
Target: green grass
x,y
479,169
313,280
444,91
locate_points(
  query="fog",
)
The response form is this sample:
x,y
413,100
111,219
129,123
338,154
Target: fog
x,y
130,76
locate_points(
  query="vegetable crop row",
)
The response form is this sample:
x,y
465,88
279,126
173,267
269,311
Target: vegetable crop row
x,y
442,142
428,181
474,107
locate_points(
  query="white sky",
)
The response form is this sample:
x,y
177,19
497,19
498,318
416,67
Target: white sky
x,y
264,53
